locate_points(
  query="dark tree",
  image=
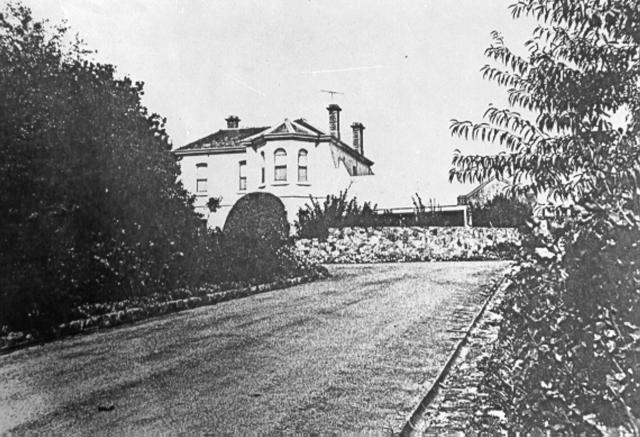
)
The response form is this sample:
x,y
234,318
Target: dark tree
x,y
89,208
568,356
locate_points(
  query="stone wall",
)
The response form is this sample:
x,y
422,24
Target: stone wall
x,y
396,244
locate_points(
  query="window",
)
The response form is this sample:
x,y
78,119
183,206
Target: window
x,y
263,174
302,166
280,165
355,170
201,178
243,175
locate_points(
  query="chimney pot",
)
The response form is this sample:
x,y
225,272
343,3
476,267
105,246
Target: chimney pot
x,y
334,120
358,137
232,122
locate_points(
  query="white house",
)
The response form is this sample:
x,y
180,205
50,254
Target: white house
x,y
291,159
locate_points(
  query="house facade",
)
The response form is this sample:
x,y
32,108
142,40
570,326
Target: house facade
x,y
291,159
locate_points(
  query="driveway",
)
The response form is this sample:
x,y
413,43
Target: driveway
x,y
349,353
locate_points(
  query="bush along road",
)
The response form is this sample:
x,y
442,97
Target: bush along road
x,y
111,315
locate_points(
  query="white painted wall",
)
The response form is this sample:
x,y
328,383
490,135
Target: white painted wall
x,y
327,174
349,161
222,180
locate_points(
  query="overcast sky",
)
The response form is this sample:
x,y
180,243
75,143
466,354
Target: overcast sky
x,y
406,68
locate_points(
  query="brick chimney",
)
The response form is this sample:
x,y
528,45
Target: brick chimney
x,y
334,120
232,122
358,137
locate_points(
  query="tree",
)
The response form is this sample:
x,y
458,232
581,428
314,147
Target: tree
x,y
89,208
500,211
568,353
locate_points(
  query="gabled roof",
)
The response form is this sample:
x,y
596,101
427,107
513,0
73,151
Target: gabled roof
x,y
479,191
223,139
236,139
483,185
286,128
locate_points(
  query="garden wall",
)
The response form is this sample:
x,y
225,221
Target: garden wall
x,y
401,244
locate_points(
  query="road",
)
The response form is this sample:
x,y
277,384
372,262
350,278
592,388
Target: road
x,y
347,354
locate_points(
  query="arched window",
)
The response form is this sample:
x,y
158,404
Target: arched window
x,y
280,165
263,168
302,166
201,178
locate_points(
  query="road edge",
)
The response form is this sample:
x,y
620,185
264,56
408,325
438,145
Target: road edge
x,y
409,428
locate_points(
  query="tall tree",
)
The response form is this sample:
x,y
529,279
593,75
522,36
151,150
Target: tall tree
x,y
90,207
568,357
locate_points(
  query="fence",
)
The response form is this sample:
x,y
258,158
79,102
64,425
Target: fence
x,y
442,215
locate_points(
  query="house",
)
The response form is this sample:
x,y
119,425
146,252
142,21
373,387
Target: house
x,y
291,159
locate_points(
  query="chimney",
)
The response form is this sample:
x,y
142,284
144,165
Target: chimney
x,y
334,120
358,137
232,122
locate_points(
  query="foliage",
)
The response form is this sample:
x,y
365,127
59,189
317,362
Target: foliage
x,y
258,216
502,211
256,238
90,208
567,356
213,204
315,219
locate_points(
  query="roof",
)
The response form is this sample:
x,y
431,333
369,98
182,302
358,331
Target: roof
x,y
286,128
223,139
241,137
303,122
482,190
479,188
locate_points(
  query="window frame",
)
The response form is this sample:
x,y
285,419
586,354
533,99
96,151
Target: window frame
x,y
303,153
200,179
242,178
280,165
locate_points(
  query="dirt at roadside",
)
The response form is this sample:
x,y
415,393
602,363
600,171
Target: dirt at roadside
x,y
460,398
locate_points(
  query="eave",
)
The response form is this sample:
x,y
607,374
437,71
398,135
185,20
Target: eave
x,y
210,151
257,141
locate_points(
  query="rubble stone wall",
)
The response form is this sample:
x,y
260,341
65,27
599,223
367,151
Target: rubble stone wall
x,y
405,244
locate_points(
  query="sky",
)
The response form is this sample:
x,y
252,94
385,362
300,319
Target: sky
x,y
406,68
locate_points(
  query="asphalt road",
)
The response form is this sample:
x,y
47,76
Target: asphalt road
x,y
348,354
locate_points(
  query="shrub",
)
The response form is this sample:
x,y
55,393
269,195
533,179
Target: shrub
x,y
315,219
260,216
502,211
213,204
256,237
